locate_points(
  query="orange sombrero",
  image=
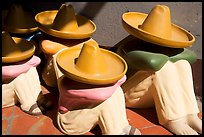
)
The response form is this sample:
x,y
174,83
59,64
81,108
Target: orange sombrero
x,y
91,64
15,49
18,21
63,23
156,28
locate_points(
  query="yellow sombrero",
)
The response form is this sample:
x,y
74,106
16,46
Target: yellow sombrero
x,y
63,23
156,27
15,49
18,21
91,64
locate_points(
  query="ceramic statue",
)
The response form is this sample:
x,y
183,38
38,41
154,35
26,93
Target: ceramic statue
x,y
159,72
20,79
91,94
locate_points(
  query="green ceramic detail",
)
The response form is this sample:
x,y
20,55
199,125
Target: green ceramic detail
x,y
186,54
143,60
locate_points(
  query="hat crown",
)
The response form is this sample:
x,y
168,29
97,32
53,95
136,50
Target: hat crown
x,y
8,44
15,17
65,19
158,22
91,59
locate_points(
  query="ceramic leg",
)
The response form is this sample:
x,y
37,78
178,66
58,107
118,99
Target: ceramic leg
x,y
174,97
113,118
9,97
110,115
27,88
195,122
192,119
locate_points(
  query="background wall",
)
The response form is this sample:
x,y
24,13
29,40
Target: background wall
x,y
107,17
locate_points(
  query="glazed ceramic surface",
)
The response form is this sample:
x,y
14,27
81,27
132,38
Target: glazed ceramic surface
x,y
92,67
143,55
85,26
156,28
18,21
15,49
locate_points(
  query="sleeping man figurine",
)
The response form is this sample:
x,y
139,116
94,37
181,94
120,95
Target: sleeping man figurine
x,y
20,79
89,81
159,71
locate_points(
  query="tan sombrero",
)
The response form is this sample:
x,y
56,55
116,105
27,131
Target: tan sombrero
x,y
156,28
18,21
15,49
91,64
63,23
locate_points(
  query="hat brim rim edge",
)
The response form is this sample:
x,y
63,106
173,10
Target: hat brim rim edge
x,y
146,36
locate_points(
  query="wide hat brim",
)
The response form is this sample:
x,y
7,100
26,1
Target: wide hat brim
x,y
29,27
85,26
116,65
26,50
180,37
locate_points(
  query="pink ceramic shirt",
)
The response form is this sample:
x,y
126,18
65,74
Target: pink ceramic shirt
x,y
74,94
13,70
